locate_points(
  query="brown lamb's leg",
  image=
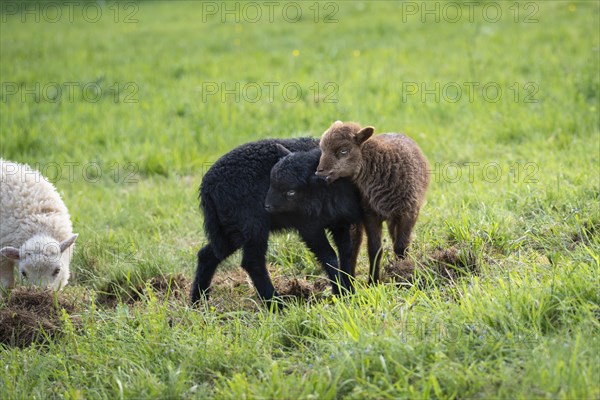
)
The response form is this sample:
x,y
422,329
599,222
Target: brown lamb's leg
x,y
400,230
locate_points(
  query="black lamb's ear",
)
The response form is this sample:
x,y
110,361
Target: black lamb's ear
x,y
282,151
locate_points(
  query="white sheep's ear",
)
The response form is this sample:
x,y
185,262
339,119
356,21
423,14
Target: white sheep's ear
x,y
365,133
282,151
10,252
65,244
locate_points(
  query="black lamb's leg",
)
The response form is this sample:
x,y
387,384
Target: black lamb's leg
x,y
207,265
254,262
317,242
373,228
343,242
356,235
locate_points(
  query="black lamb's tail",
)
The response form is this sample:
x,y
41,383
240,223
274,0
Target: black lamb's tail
x,y
213,227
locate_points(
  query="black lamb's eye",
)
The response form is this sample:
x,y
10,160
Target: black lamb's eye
x,y
291,193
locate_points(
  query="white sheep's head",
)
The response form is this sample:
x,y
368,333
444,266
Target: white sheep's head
x,y
42,260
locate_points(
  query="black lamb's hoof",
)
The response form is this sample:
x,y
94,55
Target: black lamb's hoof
x,y
198,297
275,304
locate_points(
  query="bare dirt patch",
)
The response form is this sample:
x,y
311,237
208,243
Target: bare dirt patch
x,y
448,264
232,290
31,315
302,289
584,235
175,287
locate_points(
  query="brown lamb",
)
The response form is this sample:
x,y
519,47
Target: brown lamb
x,y
392,175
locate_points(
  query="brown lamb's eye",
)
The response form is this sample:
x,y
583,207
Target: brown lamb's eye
x,y
343,152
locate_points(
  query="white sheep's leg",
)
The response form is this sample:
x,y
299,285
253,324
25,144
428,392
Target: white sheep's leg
x,y
7,279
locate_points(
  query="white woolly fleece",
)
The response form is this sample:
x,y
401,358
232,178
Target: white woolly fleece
x,y
31,210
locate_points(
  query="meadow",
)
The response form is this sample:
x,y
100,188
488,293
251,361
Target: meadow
x,y
124,105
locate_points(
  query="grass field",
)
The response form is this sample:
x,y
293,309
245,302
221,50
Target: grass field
x,y
124,105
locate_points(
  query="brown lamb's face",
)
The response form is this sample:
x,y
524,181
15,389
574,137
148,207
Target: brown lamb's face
x,y
341,154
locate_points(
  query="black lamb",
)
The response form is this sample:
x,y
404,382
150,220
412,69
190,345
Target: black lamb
x,y
232,198
298,195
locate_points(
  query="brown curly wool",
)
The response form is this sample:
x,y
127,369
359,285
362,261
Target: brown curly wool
x,y
391,173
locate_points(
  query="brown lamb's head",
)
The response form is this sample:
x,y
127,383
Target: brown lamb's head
x,y
341,150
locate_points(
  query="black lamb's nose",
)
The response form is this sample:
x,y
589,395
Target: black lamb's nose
x,y
267,207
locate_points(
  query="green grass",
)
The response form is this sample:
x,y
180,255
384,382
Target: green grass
x,y
525,208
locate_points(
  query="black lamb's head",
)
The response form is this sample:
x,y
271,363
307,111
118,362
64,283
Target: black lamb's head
x,y
294,183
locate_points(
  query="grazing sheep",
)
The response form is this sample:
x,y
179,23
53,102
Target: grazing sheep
x,y
299,198
35,228
391,173
232,197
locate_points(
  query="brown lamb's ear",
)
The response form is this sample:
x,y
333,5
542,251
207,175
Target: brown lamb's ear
x,y
10,252
362,135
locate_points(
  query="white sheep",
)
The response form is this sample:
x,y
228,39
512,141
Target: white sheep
x,y
35,229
